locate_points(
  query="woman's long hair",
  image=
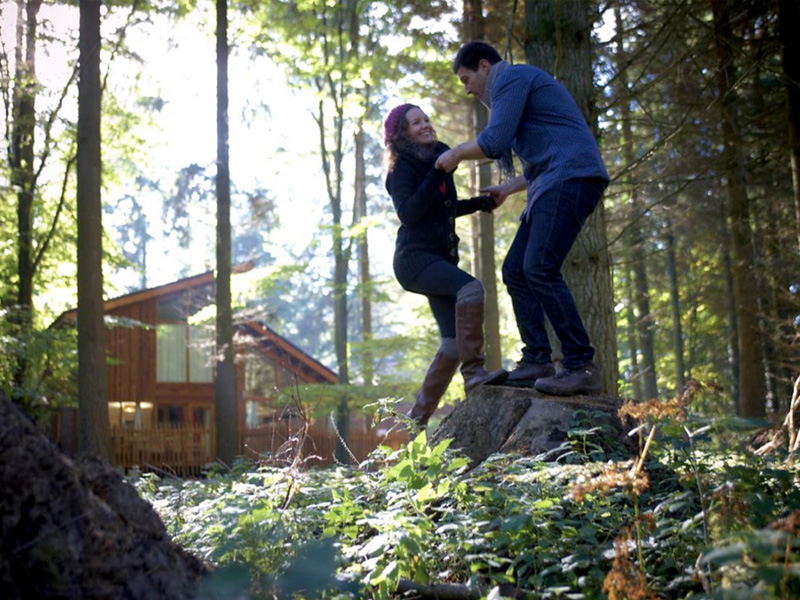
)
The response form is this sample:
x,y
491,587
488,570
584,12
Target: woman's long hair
x,y
401,143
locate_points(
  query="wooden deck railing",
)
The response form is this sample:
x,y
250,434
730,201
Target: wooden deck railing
x,y
280,443
185,450
182,450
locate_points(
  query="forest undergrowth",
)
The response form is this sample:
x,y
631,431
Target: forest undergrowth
x,y
700,512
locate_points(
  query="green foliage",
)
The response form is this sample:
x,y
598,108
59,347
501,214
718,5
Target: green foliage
x,y
51,359
714,520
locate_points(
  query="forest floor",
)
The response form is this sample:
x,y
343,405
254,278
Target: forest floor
x,y
696,512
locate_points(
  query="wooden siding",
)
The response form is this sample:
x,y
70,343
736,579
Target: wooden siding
x,y
184,393
132,353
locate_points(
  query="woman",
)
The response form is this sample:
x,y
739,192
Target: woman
x,y
426,254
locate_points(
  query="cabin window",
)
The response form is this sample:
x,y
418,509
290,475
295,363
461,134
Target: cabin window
x,y
259,389
184,353
259,413
172,415
259,376
131,415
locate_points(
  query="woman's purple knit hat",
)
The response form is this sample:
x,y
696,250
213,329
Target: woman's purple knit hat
x,y
393,121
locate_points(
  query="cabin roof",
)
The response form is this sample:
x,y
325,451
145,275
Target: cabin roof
x,y
263,334
266,335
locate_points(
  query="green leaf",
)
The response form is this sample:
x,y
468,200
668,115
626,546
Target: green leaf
x,y
726,555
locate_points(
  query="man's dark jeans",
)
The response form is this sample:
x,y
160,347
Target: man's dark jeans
x,y
532,272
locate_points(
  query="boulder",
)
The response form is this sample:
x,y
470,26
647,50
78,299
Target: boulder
x,y
523,421
77,529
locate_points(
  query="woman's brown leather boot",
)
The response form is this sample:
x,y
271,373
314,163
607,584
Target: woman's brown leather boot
x,y
438,377
469,339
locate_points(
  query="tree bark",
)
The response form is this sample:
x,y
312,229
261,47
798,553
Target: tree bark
x,y
558,40
751,373
94,433
226,401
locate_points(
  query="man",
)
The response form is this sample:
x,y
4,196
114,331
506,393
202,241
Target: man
x,y
564,176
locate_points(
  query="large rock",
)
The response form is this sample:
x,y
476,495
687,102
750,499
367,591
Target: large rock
x,y
523,421
76,529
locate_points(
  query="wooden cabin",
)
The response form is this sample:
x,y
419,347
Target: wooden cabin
x,y
161,344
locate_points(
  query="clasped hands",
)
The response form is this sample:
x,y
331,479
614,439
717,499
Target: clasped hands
x,y
448,161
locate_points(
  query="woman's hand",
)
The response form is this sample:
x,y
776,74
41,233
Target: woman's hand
x,y
448,160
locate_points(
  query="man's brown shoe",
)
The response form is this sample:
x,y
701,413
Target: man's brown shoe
x,y
571,382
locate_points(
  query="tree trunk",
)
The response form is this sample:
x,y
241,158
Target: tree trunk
x,y
333,177
488,268
364,280
226,402
558,40
23,175
788,24
732,324
630,330
766,236
484,266
675,308
636,214
94,434
751,372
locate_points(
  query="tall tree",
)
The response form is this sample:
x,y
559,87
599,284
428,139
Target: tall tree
x,y
23,172
751,372
226,399
558,40
362,242
94,434
636,245
788,21
484,250
675,306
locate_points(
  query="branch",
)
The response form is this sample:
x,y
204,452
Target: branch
x,y
120,39
54,113
319,117
61,202
5,83
48,127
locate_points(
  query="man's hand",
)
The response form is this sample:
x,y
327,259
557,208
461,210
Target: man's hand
x,y
497,192
505,189
448,160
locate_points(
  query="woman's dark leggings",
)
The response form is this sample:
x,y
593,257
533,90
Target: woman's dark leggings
x,y
441,282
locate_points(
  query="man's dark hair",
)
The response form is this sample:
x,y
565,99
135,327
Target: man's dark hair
x,y
471,53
